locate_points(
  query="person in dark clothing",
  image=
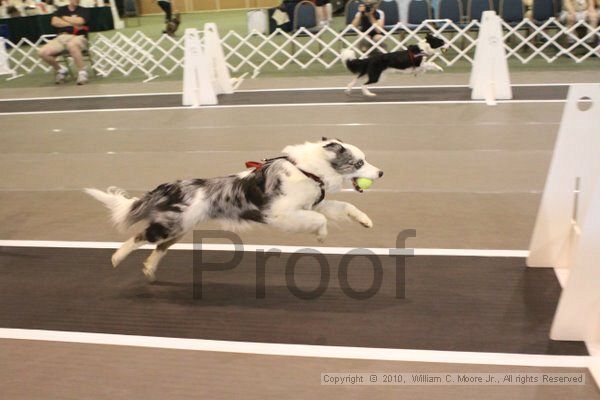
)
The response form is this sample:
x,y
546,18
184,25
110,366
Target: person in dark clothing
x,y
369,19
165,5
70,23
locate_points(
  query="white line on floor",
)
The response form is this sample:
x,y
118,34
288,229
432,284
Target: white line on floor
x,y
299,350
283,249
91,96
397,87
291,89
216,107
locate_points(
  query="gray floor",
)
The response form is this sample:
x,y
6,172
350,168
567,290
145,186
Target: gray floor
x,y
83,371
464,176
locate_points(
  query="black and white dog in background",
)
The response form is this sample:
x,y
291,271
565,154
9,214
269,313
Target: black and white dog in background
x,y
285,192
412,60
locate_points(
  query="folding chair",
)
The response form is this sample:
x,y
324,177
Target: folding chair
x,y
476,8
450,9
542,10
391,12
418,11
351,10
305,16
512,11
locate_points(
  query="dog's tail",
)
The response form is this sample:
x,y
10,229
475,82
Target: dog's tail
x,y
119,204
353,64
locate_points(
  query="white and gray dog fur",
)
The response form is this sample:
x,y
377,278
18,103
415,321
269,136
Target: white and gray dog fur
x,y
286,192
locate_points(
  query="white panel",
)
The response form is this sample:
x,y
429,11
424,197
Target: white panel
x,y
576,162
490,80
197,83
220,77
578,312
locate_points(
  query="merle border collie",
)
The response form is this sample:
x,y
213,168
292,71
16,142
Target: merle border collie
x,y
411,60
286,192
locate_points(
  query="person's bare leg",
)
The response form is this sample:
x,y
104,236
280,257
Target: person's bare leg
x,y
320,15
569,21
593,19
75,52
48,54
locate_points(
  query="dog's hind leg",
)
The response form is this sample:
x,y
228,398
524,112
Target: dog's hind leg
x,y
338,210
126,248
301,221
366,92
374,74
151,263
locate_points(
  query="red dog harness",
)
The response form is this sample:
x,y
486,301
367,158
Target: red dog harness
x,y
413,58
258,165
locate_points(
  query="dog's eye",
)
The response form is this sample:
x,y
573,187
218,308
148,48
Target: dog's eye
x,y
359,164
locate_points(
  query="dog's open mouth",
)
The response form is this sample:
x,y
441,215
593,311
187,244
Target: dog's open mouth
x,y
356,187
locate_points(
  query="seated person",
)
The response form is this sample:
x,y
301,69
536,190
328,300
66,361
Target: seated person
x,y
13,8
70,23
323,16
578,10
369,16
4,9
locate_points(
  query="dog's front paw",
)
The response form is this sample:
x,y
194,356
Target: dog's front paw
x,y
361,218
438,68
365,221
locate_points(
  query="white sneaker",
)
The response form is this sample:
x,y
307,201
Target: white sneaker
x,y
82,77
61,75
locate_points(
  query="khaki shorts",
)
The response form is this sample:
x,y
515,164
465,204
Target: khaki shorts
x,y
579,15
59,44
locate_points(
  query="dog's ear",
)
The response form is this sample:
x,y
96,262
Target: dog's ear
x,y
335,147
324,139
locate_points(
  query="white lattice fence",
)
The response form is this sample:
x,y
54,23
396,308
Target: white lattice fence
x,y
119,54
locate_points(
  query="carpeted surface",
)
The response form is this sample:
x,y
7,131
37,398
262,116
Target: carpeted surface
x,y
450,303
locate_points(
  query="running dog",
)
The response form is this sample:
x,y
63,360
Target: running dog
x,y
286,192
411,60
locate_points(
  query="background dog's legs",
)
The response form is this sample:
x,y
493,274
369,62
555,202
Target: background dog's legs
x,y
126,248
431,66
152,261
366,91
351,85
337,210
374,75
302,221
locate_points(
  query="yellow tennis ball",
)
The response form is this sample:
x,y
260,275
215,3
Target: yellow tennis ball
x,y
364,183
